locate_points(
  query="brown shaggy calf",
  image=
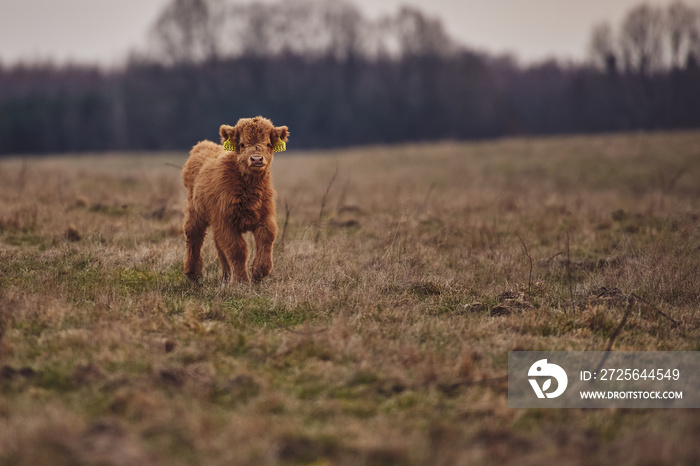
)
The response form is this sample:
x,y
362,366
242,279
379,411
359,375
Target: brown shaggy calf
x,y
231,191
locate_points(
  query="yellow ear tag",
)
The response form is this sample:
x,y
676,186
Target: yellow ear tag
x,y
281,146
228,145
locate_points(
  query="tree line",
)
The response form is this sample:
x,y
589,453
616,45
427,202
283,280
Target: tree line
x,y
337,78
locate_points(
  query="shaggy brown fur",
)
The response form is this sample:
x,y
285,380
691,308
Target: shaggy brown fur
x,y
232,192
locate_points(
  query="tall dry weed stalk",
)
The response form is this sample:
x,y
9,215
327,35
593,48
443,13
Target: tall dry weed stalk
x,y
323,204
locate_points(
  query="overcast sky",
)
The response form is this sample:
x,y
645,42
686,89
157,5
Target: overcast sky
x,y
105,30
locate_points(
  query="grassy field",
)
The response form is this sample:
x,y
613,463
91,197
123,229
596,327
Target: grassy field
x,y
381,336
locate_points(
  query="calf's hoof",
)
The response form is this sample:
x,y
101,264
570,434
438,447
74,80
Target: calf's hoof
x,y
260,272
193,277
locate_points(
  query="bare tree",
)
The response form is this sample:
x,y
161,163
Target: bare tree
x,y
602,47
255,25
310,28
189,31
693,58
419,35
641,39
683,30
347,29
199,30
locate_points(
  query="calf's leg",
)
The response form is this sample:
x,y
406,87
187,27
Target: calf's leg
x,y
233,246
225,266
195,230
265,236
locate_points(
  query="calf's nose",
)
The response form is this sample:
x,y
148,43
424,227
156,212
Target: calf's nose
x,y
256,158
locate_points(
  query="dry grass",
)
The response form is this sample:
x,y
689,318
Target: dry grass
x,y
381,338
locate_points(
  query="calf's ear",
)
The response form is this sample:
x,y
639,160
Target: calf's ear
x,y
280,133
229,132
279,137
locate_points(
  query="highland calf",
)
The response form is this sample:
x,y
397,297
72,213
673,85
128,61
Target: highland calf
x,y
229,188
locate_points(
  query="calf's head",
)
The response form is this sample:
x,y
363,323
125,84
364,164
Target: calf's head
x,y
251,142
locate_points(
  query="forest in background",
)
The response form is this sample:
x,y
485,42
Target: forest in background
x,y
338,78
